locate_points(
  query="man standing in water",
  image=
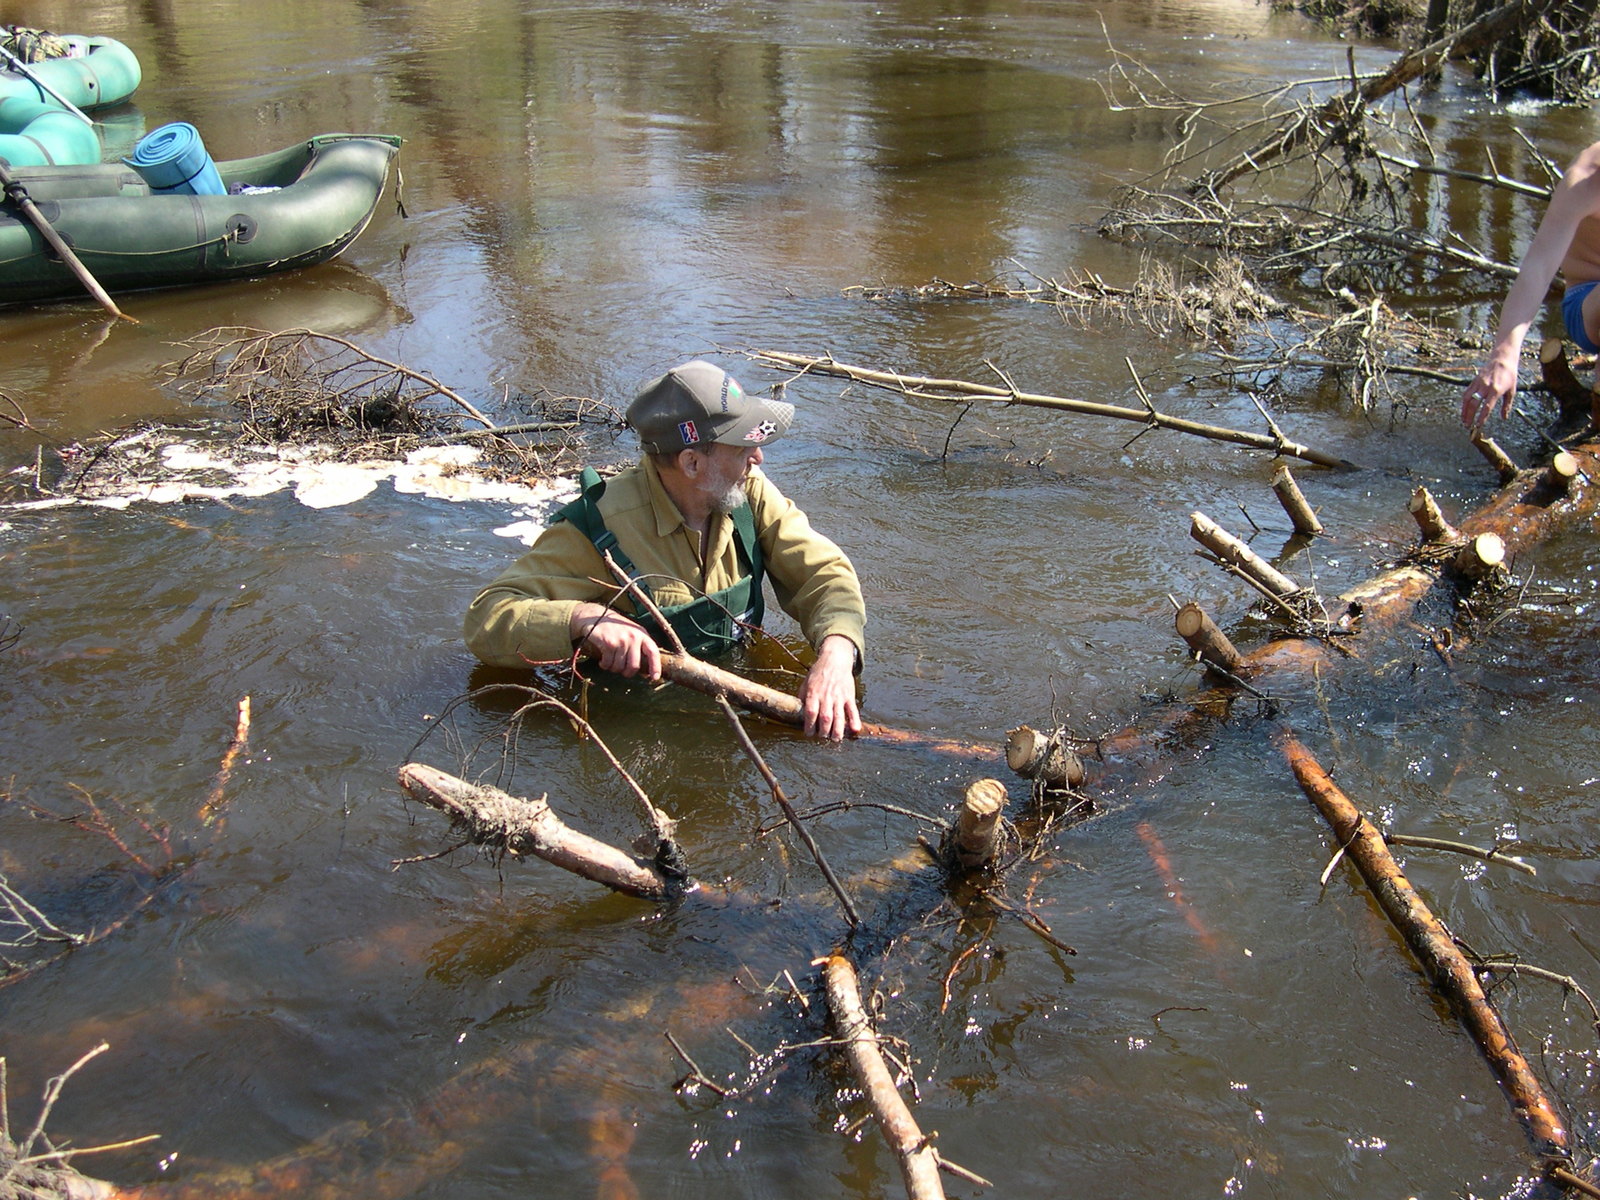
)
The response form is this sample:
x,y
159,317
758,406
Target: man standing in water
x,y
1567,240
700,525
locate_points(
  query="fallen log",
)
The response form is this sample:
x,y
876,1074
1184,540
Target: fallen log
x,y
1447,968
524,826
959,391
919,1163
1521,515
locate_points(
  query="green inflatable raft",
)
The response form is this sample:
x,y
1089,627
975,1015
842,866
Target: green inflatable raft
x,y
36,129
293,208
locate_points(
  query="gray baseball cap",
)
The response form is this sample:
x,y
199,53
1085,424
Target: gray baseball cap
x,y
699,403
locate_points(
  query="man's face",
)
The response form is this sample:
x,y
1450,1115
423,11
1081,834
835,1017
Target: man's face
x,y
727,469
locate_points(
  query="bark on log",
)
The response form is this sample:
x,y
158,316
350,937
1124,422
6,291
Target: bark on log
x,y
783,708
919,1164
1037,756
1575,401
1430,520
1496,457
1446,966
1236,554
960,391
525,826
1294,502
978,825
1208,643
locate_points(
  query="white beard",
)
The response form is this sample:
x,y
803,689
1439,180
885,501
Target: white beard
x,y
730,497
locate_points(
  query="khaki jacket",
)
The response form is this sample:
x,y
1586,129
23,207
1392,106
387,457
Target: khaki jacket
x,y
523,615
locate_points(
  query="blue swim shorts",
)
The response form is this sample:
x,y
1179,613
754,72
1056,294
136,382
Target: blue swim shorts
x,y
1572,315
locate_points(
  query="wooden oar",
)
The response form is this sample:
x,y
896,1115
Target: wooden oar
x,y
21,68
17,193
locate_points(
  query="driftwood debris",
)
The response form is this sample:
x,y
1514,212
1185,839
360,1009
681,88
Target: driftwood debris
x,y
958,391
523,826
1324,123
1446,966
919,1162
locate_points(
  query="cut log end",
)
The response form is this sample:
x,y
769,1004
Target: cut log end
x,y
1430,520
1294,502
1043,758
1205,640
1481,555
978,827
1563,469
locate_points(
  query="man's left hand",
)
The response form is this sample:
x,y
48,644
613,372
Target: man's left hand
x,y
828,695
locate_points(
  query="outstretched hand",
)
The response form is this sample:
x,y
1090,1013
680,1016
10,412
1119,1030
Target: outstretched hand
x,y
828,695
1495,384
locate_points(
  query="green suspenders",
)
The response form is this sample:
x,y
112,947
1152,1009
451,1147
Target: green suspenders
x,y
707,625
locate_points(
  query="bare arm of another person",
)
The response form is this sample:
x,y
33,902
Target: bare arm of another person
x,y
1575,197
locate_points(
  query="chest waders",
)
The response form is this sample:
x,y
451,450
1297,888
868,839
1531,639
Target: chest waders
x,y
708,625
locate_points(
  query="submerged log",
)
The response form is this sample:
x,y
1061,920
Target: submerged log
x,y
1446,966
1520,516
919,1163
520,826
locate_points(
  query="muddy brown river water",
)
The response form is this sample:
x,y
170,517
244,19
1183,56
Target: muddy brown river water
x,y
594,191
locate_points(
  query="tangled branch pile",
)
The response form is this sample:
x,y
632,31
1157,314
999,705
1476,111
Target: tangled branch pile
x,y
313,389
1552,56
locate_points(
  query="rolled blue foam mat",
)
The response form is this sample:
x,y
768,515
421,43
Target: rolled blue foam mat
x,y
174,159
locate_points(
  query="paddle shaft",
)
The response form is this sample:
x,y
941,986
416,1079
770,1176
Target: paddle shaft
x,y
17,193
21,68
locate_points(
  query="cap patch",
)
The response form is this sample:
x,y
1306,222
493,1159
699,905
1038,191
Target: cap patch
x,y
761,432
687,433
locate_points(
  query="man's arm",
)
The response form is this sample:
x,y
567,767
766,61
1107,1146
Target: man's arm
x,y
1575,197
828,695
527,613
621,642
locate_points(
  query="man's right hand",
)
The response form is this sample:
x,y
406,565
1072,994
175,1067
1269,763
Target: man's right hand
x,y
621,643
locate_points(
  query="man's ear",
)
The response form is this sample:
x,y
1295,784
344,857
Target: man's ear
x,y
689,463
